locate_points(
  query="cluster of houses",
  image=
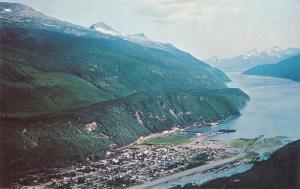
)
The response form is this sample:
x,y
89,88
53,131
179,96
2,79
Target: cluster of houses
x,y
130,166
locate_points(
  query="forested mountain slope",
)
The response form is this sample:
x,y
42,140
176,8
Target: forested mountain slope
x,y
68,92
288,68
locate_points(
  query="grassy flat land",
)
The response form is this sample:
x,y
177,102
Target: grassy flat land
x,y
242,143
168,140
257,143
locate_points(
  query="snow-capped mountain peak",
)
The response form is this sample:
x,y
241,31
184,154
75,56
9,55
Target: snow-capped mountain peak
x,y
138,36
105,29
276,51
253,58
141,39
251,53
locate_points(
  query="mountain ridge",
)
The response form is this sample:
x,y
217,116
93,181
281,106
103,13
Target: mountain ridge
x,y
104,28
288,68
252,58
56,78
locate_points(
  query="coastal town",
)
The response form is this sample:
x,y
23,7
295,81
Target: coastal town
x,y
137,163
154,159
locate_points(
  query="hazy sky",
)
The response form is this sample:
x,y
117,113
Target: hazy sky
x,y
201,27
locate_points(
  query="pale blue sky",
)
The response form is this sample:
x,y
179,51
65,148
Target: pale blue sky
x,y
201,27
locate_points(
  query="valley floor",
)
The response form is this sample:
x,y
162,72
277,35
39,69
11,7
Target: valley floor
x,y
144,165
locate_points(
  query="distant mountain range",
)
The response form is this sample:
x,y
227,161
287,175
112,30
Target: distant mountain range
x,y
252,58
57,78
288,68
140,39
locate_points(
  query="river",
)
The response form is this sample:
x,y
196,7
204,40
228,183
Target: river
x,y
273,110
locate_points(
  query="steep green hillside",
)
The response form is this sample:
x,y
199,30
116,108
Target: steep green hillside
x,y
289,68
55,140
26,91
35,48
68,92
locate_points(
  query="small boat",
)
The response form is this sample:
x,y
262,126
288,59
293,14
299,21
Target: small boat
x,y
212,123
198,134
227,130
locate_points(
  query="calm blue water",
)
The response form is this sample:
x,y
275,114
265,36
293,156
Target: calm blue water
x,y
273,110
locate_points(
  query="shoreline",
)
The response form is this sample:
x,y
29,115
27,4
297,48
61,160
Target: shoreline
x,y
138,140
142,165
197,143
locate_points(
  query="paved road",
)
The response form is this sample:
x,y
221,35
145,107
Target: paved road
x,y
151,184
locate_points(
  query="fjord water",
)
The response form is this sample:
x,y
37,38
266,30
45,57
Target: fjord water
x,y
273,110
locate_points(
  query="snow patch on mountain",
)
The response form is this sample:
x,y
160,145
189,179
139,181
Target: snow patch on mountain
x,y
7,10
140,38
251,53
105,29
143,40
252,58
276,51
